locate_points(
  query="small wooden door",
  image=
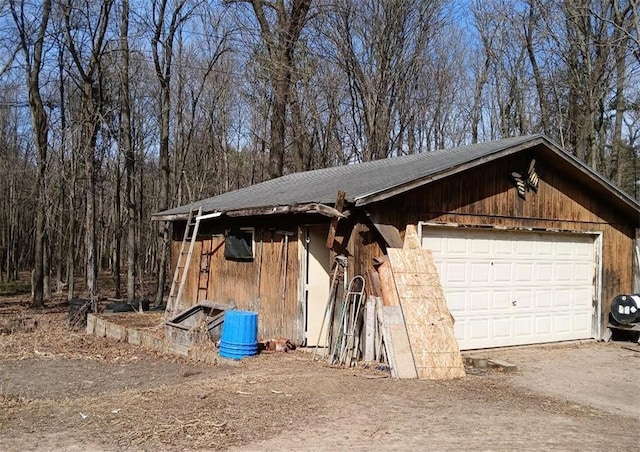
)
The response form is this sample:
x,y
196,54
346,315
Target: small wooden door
x,y
315,271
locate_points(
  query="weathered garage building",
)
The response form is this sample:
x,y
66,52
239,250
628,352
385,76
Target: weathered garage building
x,y
531,244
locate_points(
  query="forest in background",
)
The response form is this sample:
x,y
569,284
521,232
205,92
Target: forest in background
x,y
111,110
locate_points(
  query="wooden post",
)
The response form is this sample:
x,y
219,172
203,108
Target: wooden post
x,y
636,263
389,291
369,329
339,205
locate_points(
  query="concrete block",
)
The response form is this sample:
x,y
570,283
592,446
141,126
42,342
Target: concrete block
x,y
501,365
133,336
180,349
153,342
100,329
116,332
91,323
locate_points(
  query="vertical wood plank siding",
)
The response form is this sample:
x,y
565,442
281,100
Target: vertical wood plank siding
x,y
486,195
261,285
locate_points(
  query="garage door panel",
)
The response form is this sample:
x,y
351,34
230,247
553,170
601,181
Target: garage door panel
x,y
455,272
479,328
453,247
581,299
455,300
480,272
543,299
523,328
501,328
480,247
563,272
502,272
548,276
562,323
565,249
525,248
544,273
544,325
522,300
582,252
562,299
524,272
501,300
459,328
503,247
479,302
583,272
581,322
544,249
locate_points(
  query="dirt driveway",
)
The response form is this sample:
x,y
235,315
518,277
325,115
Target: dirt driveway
x,y
68,391
563,397
602,376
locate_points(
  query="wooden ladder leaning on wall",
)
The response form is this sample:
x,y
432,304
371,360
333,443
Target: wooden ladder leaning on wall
x,y
184,259
205,268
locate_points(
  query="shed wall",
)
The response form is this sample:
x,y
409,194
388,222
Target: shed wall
x,y
266,285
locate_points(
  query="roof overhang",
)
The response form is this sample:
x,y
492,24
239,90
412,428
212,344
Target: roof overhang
x,y
307,208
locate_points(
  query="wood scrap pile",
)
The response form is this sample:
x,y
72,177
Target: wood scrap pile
x,y
344,321
345,335
404,324
414,324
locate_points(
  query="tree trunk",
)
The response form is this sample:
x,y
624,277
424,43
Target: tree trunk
x,y
91,238
537,76
280,40
117,230
165,177
162,50
33,55
129,155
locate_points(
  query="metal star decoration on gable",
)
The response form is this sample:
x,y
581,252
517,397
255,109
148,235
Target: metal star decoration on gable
x,y
527,182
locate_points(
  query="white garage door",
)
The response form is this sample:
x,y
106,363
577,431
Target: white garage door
x,y
512,288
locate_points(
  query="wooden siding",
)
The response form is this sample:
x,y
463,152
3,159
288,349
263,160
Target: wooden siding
x,y
486,195
265,285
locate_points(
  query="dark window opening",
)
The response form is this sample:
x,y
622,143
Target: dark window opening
x,y
238,244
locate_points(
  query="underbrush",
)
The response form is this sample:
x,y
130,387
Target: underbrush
x,y
18,287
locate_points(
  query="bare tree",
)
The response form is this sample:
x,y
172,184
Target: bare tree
x,y
32,35
201,90
380,46
87,63
281,24
168,17
126,140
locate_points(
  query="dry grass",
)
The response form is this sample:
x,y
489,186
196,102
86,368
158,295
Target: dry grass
x,y
126,397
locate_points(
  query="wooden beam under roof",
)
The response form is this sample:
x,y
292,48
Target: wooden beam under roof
x,y
389,232
310,208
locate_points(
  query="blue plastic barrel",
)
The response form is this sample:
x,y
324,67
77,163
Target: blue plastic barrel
x,y
239,334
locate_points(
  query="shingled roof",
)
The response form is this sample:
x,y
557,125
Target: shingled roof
x,y
368,182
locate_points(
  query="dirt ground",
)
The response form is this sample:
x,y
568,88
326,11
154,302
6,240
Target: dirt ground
x,y
64,390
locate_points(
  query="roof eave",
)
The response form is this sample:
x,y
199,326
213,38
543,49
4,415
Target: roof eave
x,y
622,197
306,208
393,191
